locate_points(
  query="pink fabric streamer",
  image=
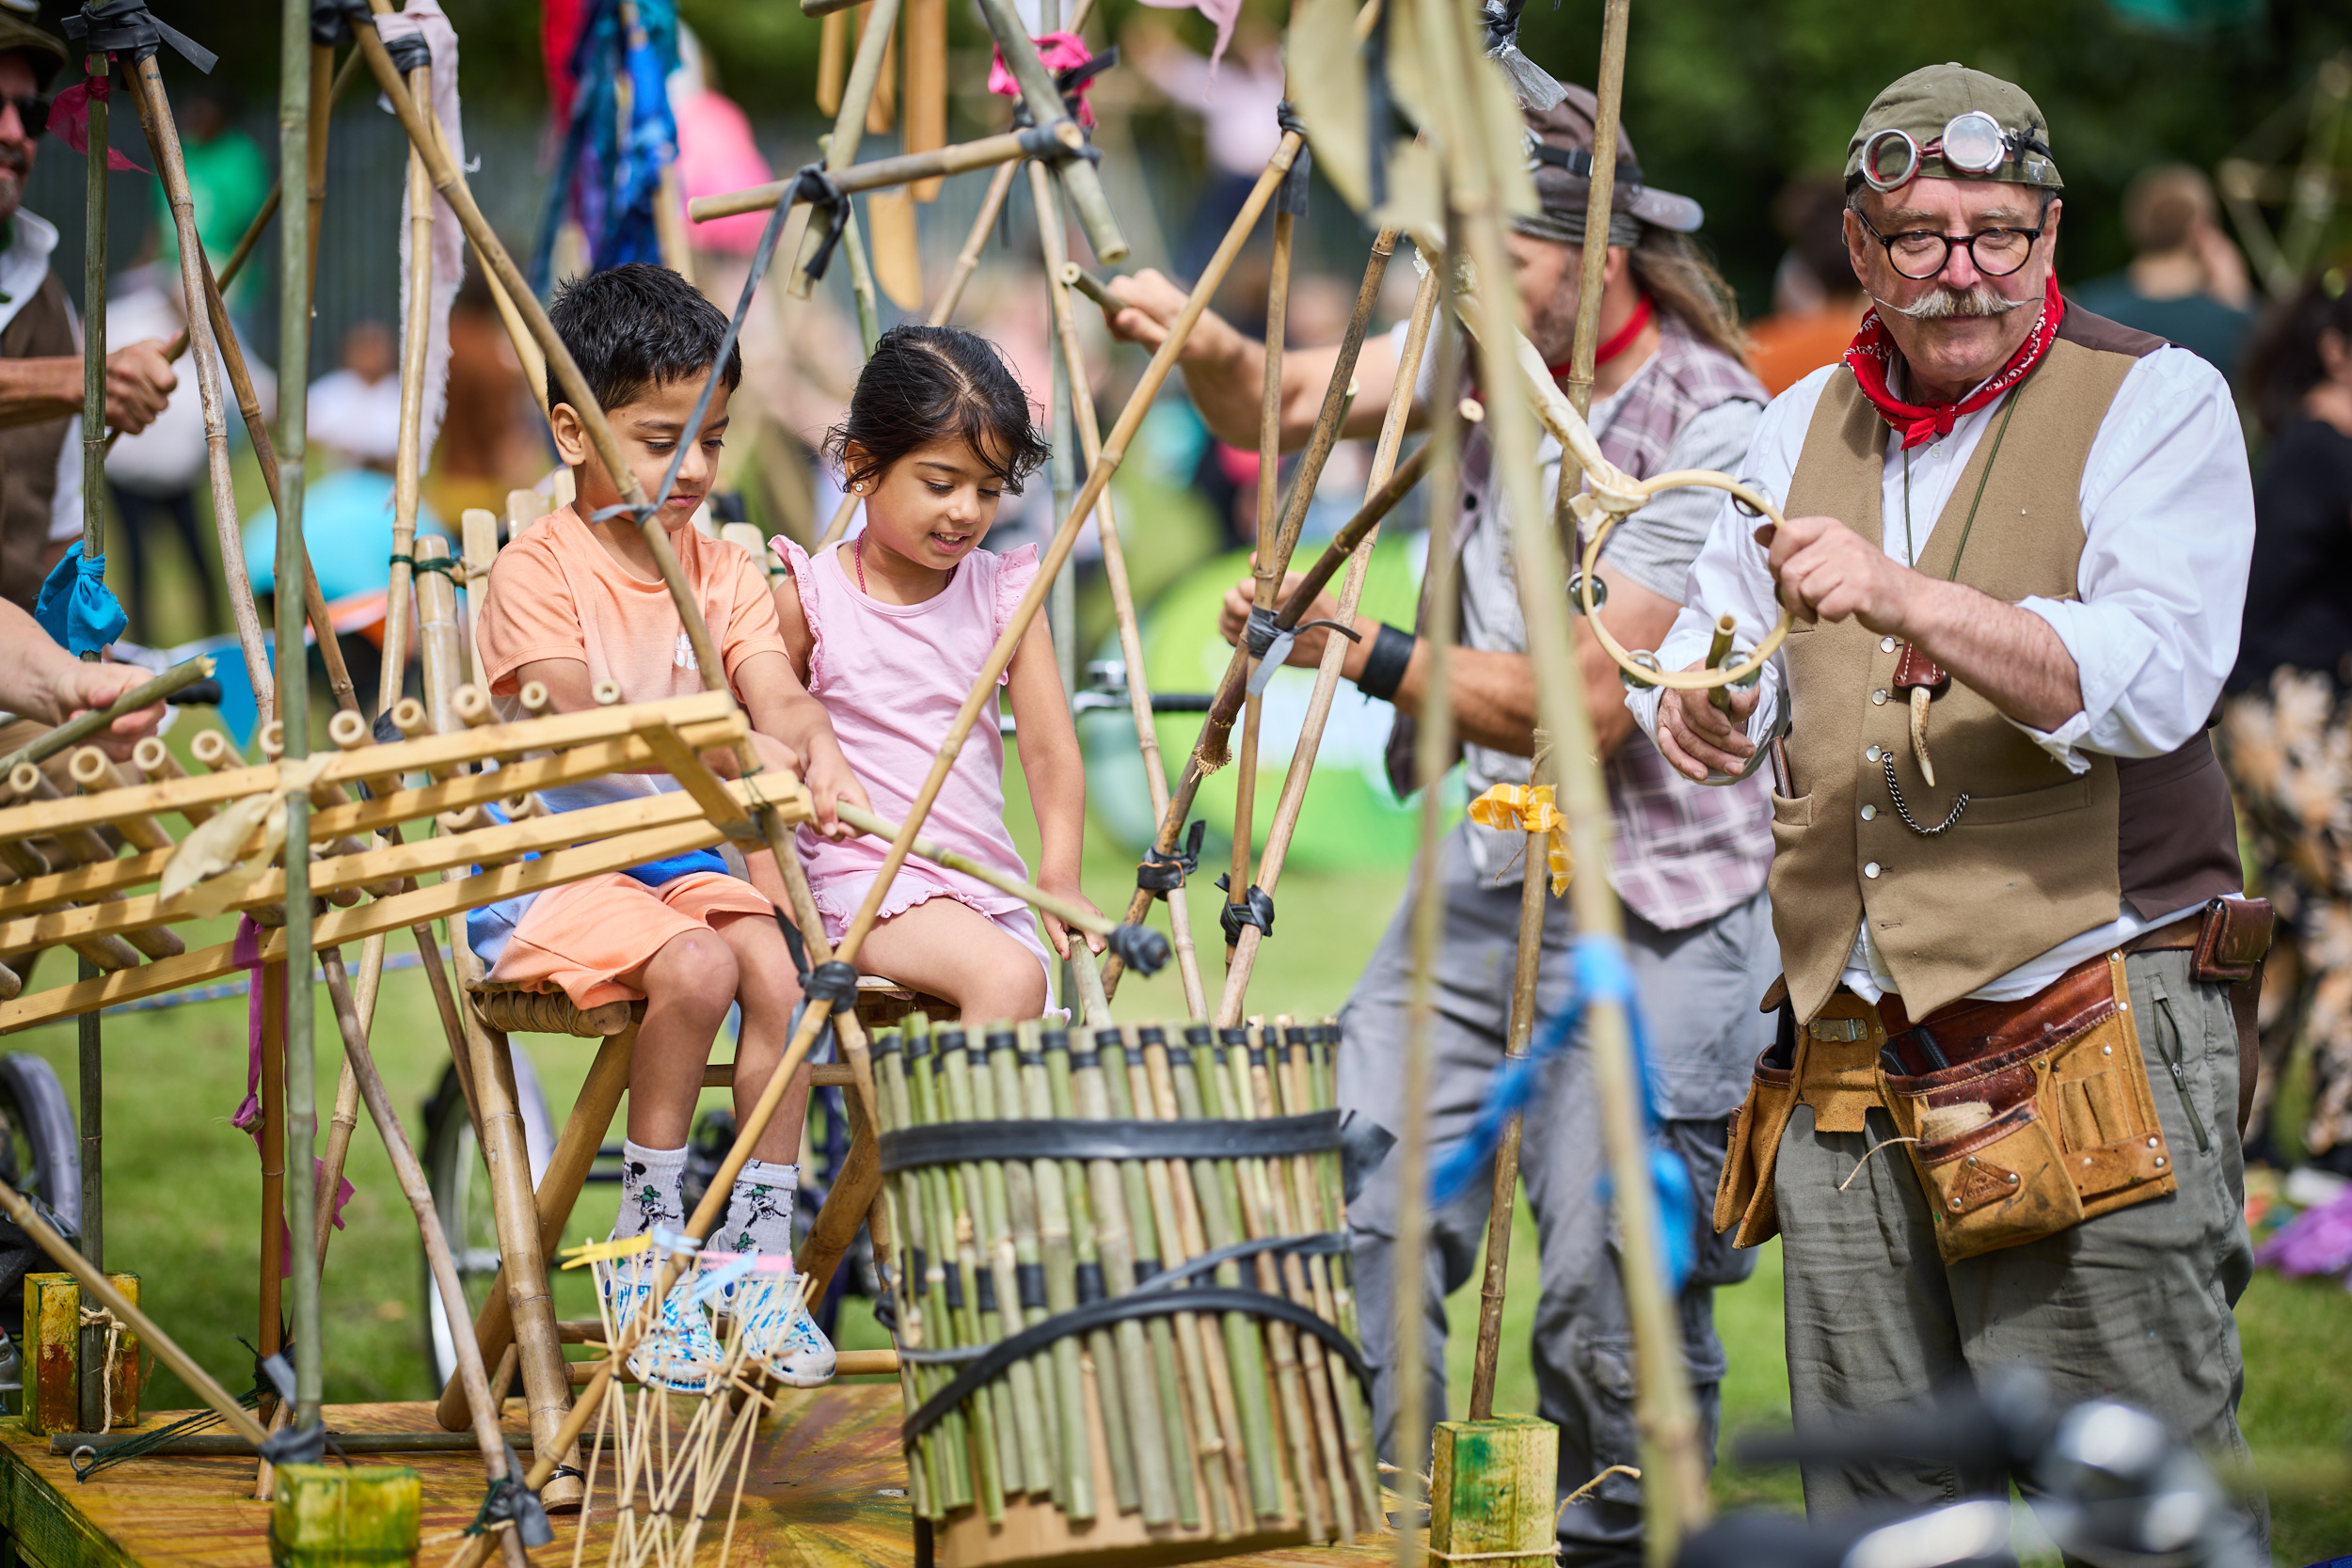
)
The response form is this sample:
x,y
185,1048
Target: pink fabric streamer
x,y
1223,13
716,154
69,116
246,955
1059,51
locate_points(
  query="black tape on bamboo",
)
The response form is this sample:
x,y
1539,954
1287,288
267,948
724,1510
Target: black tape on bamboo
x,y
1243,1416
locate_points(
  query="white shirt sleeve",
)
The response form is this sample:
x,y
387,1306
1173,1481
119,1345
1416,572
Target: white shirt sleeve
x,y
1729,576
2167,508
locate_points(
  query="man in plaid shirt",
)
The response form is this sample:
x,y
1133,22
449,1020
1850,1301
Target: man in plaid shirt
x,y
1689,861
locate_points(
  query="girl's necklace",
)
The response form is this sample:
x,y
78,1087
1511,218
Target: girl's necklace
x,y
857,554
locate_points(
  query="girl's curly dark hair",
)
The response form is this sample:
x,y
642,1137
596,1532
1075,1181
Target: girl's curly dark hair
x,y
926,384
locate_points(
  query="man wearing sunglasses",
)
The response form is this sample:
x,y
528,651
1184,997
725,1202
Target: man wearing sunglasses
x,y
41,344
2000,1124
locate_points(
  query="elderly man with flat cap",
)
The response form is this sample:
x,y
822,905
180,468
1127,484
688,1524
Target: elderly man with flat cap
x,y
41,344
1670,391
1999,1124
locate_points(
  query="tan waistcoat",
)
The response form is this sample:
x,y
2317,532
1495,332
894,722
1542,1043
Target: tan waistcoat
x,y
2040,855
42,329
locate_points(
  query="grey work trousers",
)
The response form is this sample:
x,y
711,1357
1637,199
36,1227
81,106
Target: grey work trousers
x,y
1699,989
2132,1306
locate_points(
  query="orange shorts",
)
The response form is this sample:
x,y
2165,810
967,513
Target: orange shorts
x,y
581,936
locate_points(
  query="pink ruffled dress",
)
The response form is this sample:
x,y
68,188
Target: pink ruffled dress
x,y
892,678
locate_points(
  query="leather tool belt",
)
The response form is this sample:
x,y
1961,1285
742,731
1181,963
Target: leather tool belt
x,y
2021,1118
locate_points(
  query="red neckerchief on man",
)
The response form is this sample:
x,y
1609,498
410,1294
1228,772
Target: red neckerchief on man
x,y
1874,350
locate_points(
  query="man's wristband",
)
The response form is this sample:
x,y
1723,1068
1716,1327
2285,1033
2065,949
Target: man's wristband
x,y
1384,665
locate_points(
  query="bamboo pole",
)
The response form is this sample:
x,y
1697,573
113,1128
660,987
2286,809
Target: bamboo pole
x,y
75,731
1048,1095
1435,743
1265,555
1055,246
903,168
438,1261
1076,176
1294,782
155,115
1519,1027
968,259
91,1075
408,456
294,678
848,129
926,84
1673,1470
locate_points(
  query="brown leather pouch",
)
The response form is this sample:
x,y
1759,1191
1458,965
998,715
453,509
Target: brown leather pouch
x,y
1916,668
1743,1194
2020,1143
2232,940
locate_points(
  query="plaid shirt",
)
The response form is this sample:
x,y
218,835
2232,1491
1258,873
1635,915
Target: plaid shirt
x,y
1681,852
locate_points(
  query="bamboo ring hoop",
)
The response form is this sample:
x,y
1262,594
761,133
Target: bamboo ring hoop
x,y
1610,515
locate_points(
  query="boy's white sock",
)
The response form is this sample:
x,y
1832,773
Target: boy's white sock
x,y
650,1179
760,1210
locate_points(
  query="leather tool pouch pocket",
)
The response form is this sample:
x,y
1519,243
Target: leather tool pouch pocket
x,y
1744,1196
2023,1143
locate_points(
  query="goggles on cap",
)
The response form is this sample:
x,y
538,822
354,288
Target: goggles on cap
x,y
1575,160
1972,143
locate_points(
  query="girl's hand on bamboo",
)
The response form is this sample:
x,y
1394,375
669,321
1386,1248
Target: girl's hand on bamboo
x,y
1056,930
1306,652
829,782
140,383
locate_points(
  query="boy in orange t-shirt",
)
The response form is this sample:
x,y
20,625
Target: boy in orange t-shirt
x,y
572,602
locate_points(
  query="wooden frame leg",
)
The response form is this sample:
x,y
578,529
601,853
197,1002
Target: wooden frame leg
x,y
546,1388
569,1165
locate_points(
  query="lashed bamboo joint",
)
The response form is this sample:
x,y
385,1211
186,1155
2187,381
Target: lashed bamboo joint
x,y
1122,1309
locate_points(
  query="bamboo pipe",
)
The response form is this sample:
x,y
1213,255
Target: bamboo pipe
x,y
1674,1472
408,456
1076,276
1435,744
96,1286
813,1018
437,1254
1519,1027
860,283
968,259
1077,177
322,104
95,774
904,168
1294,796
82,847
76,730
156,115
272,984
1270,561
1056,244
848,129
154,759
1719,649
926,84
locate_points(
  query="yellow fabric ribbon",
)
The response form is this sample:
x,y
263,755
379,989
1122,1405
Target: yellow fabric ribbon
x,y
1528,808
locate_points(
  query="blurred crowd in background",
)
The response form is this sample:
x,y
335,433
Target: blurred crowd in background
x,y
2253,284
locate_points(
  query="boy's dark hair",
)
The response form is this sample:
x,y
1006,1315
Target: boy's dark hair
x,y
926,384
636,326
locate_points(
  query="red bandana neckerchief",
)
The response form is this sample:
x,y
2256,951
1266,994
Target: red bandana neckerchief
x,y
1874,350
1618,341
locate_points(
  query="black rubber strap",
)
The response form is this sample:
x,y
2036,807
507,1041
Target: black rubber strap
x,y
1322,1244
952,1143
1164,872
1384,665
1139,947
1101,1314
833,982
409,51
125,27
1255,908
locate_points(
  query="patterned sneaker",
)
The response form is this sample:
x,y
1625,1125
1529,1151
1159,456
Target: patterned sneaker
x,y
778,1331
678,1352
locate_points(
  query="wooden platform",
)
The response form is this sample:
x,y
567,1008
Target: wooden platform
x,y
827,1490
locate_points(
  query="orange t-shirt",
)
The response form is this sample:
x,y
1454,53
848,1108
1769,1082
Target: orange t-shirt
x,y
557,593
1784,350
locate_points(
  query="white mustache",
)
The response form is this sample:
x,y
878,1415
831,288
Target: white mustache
x,y
1945,303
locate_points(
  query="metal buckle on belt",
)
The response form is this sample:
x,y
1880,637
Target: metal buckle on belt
x,y
1842,1029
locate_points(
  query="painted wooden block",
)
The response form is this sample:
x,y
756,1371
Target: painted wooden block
x,y
53,1354
1491,1491
330,1516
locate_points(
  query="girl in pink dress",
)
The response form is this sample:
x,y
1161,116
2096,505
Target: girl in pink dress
x,y
888,630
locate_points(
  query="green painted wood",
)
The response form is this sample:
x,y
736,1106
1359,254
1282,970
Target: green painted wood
x,y
1490,1491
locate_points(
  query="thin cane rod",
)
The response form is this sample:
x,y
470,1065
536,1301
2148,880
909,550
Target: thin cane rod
x,y
1056,244
1429,921
968,259
1601,192
419,1195
1064,910
90,1028
1519,1027
1674,1472
265,455
1007,147
97,1287
819,1008
156,115
1271,562
1294,796
408,457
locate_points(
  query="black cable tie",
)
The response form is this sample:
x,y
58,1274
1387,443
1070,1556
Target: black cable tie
x,y
510,1500
1291,195
126,27
1256,907
409,52
1139,947
833,982
1276,652
1163,872
812,184
1263,630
